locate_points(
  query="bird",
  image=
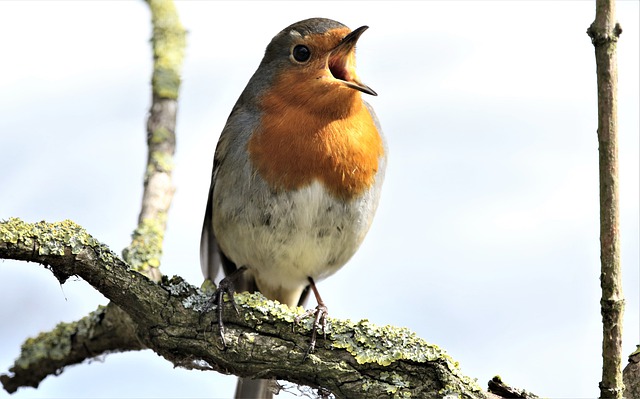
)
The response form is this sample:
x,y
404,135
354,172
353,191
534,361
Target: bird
x,y
297,173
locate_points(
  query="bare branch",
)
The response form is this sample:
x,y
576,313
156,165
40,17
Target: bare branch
x,y
604,33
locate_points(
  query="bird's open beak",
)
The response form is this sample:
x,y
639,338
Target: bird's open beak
x,y
341,62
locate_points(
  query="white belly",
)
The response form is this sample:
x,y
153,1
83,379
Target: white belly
x,y
284,239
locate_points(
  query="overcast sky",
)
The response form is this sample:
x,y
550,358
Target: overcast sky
x,y
486,239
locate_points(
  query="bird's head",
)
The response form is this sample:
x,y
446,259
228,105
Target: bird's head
x,y
314,60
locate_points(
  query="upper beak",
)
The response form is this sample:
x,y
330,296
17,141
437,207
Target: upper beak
x,y
341,62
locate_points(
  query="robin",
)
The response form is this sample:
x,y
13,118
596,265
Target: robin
x,y
297,173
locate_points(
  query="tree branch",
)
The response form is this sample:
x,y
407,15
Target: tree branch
x,y
109,329
105,330
604,33
356,359
168,42
498,387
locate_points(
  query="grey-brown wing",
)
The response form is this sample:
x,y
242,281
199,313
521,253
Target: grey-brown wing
x,y
210,259
214,263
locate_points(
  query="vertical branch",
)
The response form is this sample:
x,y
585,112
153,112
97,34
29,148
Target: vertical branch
x,y
604,33
168,41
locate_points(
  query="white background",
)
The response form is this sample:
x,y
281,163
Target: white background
x,y
486,239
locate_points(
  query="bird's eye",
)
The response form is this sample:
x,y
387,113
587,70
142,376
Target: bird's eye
x,y
301,53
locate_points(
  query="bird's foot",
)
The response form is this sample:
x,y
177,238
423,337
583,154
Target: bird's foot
x,y
226,286
320,314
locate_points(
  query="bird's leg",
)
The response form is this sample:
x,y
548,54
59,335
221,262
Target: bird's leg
x,y
320,314
226,286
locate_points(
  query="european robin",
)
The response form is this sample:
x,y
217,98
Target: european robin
x,y
297,172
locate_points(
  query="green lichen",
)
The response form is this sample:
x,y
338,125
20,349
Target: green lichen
x,y
396,385
145,250
57,343
54,344
15,231
272,309
160,135
169,40
50,238
166,82
208,287
458,386
384,345
160,161
369,343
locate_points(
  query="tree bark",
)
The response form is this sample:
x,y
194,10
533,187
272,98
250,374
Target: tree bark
x,y
604,33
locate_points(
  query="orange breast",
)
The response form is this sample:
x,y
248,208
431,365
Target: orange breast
x,y
325,134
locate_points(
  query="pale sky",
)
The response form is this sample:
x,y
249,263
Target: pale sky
x,y
486,239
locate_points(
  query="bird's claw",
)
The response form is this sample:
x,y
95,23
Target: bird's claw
x,y
319,314
226,286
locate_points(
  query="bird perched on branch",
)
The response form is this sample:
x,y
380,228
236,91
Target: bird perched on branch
x,y
297,173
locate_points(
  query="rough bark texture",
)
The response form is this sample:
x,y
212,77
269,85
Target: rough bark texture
x,y
604,33
356,360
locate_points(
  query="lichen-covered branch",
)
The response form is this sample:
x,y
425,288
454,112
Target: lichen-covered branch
x,y
109,329
604,33
105,330
168,40
355,360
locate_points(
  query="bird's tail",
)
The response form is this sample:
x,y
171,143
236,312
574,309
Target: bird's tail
x,y
253,389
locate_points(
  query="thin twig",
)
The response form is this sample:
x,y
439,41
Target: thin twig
x,y
145,251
